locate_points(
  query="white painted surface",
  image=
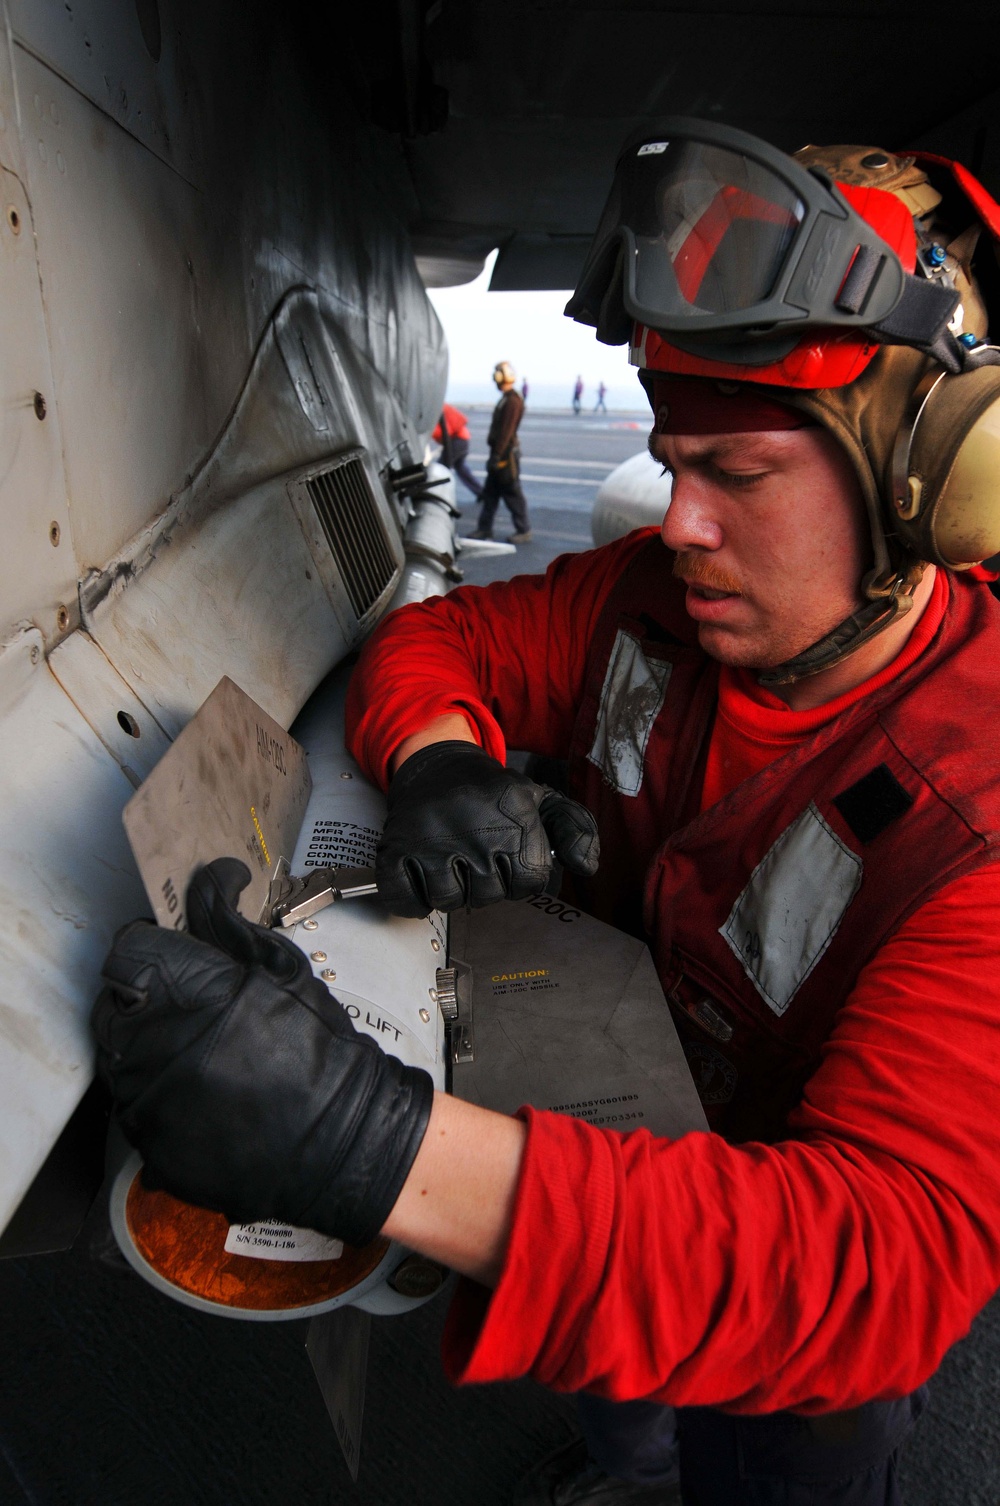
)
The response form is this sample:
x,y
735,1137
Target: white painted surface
x,y
385,966
635,495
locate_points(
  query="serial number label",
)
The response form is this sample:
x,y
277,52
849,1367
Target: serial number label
x,y
623,1108
270,1239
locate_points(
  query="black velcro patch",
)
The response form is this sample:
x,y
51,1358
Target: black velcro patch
x,y
873,803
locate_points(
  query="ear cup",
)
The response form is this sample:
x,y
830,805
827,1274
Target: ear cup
x,y
946,474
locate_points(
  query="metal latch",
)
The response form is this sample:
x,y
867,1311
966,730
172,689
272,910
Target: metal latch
x,y
295,899
454,996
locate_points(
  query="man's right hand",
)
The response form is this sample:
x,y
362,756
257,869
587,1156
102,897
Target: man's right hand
x,y
463,830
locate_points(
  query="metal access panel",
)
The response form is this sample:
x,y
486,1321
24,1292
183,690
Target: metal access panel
x,y
234,784
567,1013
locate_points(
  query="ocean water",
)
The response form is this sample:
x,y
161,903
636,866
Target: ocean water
x,y
550,396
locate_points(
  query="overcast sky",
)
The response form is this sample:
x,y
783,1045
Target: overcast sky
x,y
531,331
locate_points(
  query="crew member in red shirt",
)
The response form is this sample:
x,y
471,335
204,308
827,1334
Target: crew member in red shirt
x,y
452,434
772,712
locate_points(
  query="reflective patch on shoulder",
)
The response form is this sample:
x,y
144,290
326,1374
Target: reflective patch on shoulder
x,y
631,700
789,912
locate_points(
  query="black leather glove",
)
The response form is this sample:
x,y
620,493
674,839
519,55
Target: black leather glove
x,y
242,1081
463,830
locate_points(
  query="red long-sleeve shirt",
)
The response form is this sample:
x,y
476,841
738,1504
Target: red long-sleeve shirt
x,y
814,1274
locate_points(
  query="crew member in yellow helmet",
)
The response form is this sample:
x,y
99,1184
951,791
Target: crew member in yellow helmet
x,y
503,464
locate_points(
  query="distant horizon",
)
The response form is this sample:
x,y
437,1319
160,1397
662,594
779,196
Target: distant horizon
x,y
552,397
530,331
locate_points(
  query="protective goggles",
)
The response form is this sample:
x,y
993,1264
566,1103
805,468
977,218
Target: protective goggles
x,y
731,248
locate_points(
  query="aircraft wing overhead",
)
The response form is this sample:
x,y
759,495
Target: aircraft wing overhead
x,y
539,95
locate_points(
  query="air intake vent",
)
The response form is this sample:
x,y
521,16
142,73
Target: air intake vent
x,y
348,513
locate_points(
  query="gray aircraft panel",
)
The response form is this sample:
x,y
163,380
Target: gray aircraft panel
x,y
568,1014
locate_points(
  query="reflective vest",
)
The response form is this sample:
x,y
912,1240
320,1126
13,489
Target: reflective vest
x,y
763,909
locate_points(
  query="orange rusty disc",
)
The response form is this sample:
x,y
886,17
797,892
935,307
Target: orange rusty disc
x,y
186,1246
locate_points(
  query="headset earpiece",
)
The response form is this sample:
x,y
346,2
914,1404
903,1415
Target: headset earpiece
x,y
946,470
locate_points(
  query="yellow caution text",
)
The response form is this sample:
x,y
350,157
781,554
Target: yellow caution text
x,y
260,837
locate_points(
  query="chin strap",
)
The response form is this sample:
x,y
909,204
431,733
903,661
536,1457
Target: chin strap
x,y
890,600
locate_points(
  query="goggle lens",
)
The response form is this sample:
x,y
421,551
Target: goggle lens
x,y
724,221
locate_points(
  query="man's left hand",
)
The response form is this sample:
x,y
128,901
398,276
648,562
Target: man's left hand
x,y
242,1081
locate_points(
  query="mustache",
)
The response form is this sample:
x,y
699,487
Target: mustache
x,y
700,570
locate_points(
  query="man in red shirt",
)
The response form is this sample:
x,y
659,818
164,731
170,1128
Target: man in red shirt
x,y
452,434
774,725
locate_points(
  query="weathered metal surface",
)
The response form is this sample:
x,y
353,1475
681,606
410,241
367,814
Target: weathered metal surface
x,y
211,289
100,46
38,570
125,726
234,784
67,879
235,592
135,424
11,145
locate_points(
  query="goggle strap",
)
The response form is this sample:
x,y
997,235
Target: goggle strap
x,y
859,280
920,317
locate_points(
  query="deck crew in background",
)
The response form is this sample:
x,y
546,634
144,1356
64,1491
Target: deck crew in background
x,y
503,464
452,434
772,711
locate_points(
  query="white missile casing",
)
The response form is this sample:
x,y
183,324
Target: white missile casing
x,y
636,494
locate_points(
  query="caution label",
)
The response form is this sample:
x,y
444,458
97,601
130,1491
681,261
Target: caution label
x,y
521,980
